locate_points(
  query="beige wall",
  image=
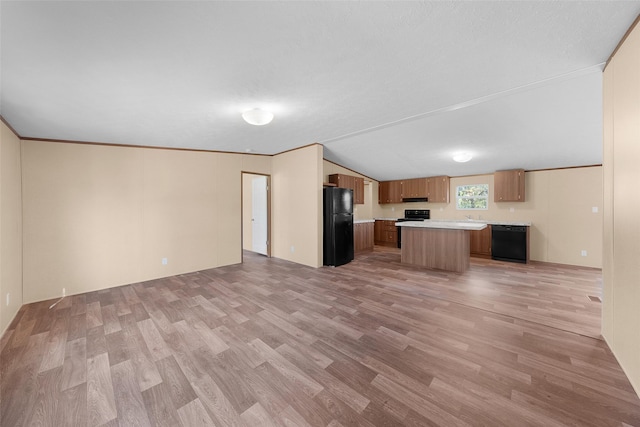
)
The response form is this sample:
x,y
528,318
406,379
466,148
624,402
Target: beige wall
x,y
297,205
364,211
621,271
100,216
558,204
10,226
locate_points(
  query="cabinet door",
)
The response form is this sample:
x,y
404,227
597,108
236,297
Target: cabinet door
x,y
378,231
390,192
438,187
416,187
480,244
395,191
385,233
363,237
383,192
349,182
358,191
409,188
422,189
508,186
390,232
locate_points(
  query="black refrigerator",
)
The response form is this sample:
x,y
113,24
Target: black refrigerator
x,y
338,226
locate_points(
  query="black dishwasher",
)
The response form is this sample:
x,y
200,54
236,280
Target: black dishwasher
x,y
509,243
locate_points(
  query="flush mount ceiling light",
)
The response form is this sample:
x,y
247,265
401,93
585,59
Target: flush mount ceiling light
x,y
462,157
257,117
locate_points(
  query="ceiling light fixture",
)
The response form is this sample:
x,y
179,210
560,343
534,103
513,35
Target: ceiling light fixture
x,y
462,157
257,117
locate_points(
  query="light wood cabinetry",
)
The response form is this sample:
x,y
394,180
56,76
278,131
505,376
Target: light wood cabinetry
x,y
438,189
352,182
508,186
435,188
363,236
390,192
436,248
386,233
358,191
417,187
480,245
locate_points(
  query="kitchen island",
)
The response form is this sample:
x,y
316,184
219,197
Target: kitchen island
x,y
437,244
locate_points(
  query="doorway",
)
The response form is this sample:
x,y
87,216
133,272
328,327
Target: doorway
x,y
256,230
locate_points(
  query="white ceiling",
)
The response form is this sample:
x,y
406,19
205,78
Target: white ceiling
x,y
391,89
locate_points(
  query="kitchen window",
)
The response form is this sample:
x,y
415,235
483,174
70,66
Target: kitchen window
x,y
472,197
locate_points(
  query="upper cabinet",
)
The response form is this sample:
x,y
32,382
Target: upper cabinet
x,y
415,188
508,186
438,189
435,188
358,191
390,192
352,182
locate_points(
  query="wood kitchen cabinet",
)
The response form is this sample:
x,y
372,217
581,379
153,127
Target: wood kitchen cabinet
x,y
352,182
386,233
480,245
435,188
508,186
358,191
390,192
417,187
363,236
438,189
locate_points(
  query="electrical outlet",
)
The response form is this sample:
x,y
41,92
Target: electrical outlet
x,y
165,261
64,292
293,249
583,253
594,209
393,209
8,298
512,210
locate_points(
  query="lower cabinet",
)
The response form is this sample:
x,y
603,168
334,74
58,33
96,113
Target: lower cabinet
x,y
363,236
481,243
386,233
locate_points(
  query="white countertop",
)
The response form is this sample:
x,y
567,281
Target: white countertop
x,y
470,221
362,221
486,221
449,225
523,224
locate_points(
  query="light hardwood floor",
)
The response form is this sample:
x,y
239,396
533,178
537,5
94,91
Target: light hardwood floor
x,y
371,343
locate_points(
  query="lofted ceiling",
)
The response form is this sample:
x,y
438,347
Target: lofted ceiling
x,y
391,89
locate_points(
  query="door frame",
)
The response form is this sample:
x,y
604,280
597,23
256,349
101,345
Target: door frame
x,y
242,174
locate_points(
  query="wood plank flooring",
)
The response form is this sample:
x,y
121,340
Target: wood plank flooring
x,y
272,343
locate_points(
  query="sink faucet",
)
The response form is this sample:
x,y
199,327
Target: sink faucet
x,y
468,217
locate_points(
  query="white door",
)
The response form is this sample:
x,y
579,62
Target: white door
x,y
259,214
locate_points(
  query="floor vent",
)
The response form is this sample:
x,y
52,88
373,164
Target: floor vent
x,y
594,299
